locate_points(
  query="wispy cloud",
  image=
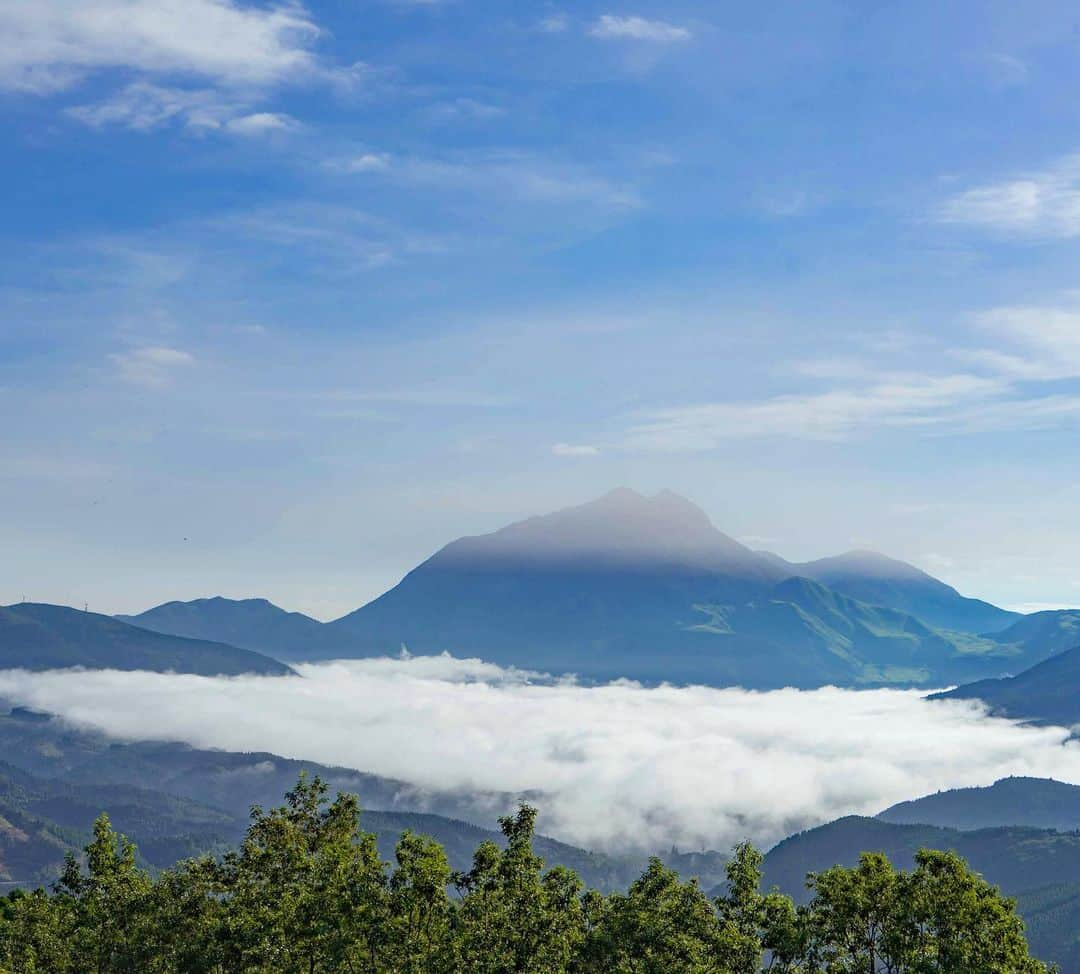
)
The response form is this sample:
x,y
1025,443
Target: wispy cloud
x,y
51,44
143,106
615,766
1045,203
152,366
894,401
610,26
505,175
553,24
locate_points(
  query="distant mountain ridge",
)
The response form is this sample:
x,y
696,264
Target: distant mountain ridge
x,y
646,587
37,636
254,624
1039,803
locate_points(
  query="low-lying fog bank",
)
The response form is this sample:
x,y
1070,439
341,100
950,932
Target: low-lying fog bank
x,y
620,765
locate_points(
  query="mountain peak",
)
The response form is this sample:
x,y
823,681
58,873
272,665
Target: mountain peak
x,y
865,563
621,528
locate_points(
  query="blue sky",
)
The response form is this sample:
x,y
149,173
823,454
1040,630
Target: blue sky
x,y
292,295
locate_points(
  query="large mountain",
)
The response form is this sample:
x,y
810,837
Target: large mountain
x,y
36,636
873,578
1038,867
1047,693
645,587
1039,803
248,623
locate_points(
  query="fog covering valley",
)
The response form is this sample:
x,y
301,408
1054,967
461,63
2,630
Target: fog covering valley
x,y
616,766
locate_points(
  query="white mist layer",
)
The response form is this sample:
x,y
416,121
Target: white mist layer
x,y
619,765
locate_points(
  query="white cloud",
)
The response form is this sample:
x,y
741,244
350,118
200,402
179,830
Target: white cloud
x,y
574,450
1039,204
50,44
617,765
260,123
638,29
152,365
365,162
1042,342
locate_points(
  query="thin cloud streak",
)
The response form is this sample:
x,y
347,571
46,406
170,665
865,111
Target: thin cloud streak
x,y
618,765
638,29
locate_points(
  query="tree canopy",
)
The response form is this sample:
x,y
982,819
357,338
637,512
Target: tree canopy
x,y
306,893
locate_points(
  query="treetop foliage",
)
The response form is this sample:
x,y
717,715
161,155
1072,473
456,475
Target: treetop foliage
x,y
306,893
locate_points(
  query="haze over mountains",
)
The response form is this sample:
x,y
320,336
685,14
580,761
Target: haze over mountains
x,y
647,587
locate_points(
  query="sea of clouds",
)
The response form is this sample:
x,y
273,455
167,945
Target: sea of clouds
x,y
618,765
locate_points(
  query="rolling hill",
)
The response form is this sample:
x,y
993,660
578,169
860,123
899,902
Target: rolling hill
x,y
36,636
1033,802
254,624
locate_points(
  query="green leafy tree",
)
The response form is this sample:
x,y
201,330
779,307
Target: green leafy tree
x,y
422,915
109,900
951,919
306,892
939,919
659,926
514,919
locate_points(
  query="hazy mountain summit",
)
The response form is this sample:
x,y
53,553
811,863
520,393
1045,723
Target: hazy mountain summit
x,y
620,530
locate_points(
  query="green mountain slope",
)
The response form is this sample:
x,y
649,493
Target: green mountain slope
x,y
36,636
1033,802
